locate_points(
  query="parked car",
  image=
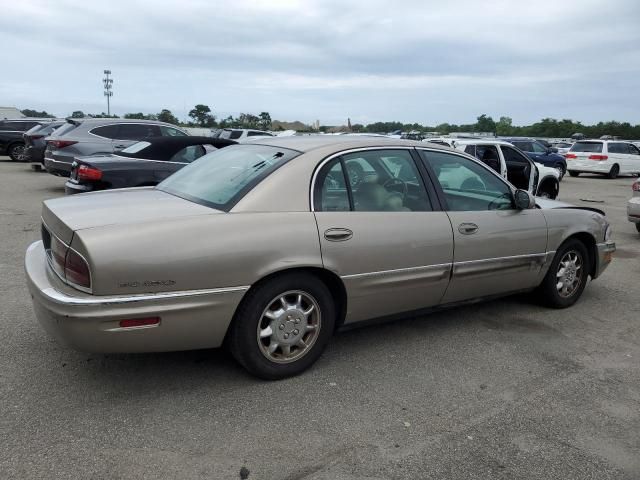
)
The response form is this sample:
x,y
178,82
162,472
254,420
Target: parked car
x,y
271,247
88,136
609,158
539,152
633,206
242,134
35,143
514,165
144,163
562,147
11,136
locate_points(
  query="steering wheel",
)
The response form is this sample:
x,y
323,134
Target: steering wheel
x,y
391,183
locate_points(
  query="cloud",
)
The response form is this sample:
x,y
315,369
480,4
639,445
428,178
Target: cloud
x,y
405,60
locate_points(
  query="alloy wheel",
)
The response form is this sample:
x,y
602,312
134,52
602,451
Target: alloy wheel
x,y
289,326
569,274
17,153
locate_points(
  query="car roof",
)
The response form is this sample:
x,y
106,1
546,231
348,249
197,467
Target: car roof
x,y
163,148
106,121
480,141
307,143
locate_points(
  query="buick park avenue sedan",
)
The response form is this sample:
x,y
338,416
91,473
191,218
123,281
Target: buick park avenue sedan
x,y
270,247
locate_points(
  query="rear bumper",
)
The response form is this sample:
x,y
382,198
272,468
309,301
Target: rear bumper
x,y
34,154
633,210
71,187
605,254
593,166
58,167
188,320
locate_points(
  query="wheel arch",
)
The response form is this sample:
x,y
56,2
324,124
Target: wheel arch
x,y
331,280
589,241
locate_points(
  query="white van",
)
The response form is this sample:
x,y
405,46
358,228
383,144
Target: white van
x,y
607,157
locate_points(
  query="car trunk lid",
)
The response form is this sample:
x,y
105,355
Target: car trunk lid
x,y
63,216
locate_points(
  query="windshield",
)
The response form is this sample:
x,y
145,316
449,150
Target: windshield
x,y
221,178
587,147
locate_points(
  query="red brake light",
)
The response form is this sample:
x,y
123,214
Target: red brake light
x,y
139,322
86,172
76,270
61,143
570,156
598,157
57,255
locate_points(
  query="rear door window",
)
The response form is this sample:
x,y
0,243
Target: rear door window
x,y
618,148
137,131
188,154
171,132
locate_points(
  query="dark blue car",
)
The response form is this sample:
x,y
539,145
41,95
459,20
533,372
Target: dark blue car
x,y
540,153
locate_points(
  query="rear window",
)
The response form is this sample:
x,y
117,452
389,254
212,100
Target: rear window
x,y
221,178
64,129
231,134
587,147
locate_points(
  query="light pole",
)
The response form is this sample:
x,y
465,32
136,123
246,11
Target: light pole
x,y
108,85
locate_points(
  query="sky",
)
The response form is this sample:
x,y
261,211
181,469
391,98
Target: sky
x,y
411,61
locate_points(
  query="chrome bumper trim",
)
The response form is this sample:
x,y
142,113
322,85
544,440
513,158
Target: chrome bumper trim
x,y
63,299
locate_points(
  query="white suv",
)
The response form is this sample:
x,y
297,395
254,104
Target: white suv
x,y
514,165
607,157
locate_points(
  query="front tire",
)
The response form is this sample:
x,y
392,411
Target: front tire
x,y
561,171
614,172
638,227
16,152
567,276
282,326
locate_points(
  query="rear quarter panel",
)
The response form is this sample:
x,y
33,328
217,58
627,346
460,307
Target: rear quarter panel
x,y
197,252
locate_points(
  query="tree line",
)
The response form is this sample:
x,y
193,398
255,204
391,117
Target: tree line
x,y
202,116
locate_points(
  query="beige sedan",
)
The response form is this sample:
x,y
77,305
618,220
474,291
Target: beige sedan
x,y
270,247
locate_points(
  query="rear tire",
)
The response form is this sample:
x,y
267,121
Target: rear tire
x,y
567,276
16,152
573,174
561,170
638,227
613,173
282,326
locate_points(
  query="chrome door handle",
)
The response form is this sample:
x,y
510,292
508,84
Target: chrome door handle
x,y
338,234
467,228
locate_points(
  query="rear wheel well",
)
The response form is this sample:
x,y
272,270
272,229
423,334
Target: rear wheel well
x,y
590,243
331,281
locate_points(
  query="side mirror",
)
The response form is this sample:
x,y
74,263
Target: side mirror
x,y
553,150
524,200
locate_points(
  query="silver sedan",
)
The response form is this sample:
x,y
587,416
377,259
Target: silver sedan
x,y
270,247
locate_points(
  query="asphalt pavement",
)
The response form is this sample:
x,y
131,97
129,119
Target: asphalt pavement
x,y
505,389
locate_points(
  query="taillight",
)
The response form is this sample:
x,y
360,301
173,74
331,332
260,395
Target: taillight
x,y
86,172
76,270
61,143
598,157
570,156
635,187
58,254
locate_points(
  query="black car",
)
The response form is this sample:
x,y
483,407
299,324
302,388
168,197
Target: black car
x,y
144,163
11,136
34,141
